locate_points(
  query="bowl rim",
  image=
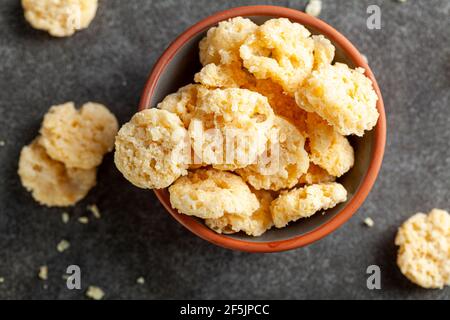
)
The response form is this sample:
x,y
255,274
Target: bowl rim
x,y
366,184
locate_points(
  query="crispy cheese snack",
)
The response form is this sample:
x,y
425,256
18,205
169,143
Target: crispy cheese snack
x,y
221,44
255,225
315,175
342,96
285,159
151,149
229,127
424,249
61,18
281,103
79,138
279,50
182,102
328,149
323,51
305,202
222,76
50,182
210,194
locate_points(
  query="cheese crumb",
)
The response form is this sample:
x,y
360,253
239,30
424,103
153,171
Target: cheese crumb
x,y
95,293
63,245
43,273
83,220
140,280
95,211
2,143
314,7
369,222
2,280
65,217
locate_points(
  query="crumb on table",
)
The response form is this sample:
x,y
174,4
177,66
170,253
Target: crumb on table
x,y
95,293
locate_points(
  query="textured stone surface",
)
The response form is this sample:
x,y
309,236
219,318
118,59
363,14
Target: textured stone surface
x,y
109,63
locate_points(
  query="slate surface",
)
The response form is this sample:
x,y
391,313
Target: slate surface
x,y
109,63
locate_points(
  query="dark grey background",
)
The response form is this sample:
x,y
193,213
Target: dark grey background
x,y
109,63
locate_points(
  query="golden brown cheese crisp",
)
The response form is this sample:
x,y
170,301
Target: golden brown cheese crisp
x,y
79,138
424,249
284,161
305,202
50,182
323,51
152,149
328,149
255,225
182,102
60,18
282,104
222,76
210,194
342,96
315,175
279,50
229,127
221,44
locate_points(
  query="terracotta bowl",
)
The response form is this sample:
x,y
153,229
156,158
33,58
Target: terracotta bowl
x,y
176,68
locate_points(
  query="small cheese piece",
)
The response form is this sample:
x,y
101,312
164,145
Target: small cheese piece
x,y
152,149
305,202
60,18
424,249
210,193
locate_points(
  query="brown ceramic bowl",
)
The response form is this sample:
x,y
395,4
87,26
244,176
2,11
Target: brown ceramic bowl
x,y
176,68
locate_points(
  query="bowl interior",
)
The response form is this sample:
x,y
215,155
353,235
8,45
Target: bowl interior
x,y
180,71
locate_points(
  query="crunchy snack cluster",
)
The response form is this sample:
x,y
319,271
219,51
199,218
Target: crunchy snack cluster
x,y
182,103
150,149
254,225
284,170
50,181
249,97
328,149
343,97
79,138
424,249
61,18
59,167
304,202
279,50
210,193
237,117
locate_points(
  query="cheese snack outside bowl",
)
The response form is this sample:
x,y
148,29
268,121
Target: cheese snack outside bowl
x,y
60,18
51,182
79,138
424,249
